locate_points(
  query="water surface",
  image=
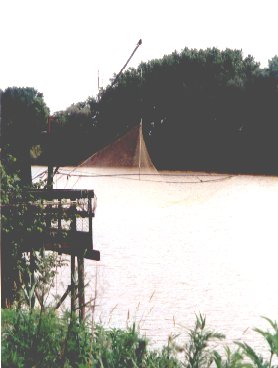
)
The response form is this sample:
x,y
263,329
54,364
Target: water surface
x,y
181,245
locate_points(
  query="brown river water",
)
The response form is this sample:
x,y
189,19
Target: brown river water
x,y
178,244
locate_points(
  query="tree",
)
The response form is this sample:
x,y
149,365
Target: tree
x,y
273,63
191,102
23,118
12,221
71,134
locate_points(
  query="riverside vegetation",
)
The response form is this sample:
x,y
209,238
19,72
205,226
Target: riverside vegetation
x,y
36,338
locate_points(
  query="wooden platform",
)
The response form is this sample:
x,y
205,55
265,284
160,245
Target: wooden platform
x,y
61,210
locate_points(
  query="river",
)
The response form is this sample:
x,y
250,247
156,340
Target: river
x,y
185,244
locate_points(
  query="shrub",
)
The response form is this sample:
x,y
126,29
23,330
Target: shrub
x,y
42,339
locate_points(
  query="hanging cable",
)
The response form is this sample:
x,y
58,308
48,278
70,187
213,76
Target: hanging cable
x,y
206,178
39,175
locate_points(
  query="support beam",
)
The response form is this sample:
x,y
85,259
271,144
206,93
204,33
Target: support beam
x,y
32,271
73,285
49,177
81,288
66,293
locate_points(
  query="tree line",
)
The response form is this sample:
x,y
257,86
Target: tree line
x,y
206,110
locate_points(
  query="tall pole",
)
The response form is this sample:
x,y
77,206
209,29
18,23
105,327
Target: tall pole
x,y
50,163
73,285
128,60
98,81
140,148
81,288
141,129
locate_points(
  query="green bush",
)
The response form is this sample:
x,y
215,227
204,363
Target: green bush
x,y
40,339
31,339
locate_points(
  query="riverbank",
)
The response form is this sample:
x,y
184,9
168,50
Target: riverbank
x,y
43,339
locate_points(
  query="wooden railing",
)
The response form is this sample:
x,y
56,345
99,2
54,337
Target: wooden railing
x,y
67,216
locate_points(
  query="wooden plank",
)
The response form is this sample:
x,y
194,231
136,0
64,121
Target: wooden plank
x,y
74,243
61,193
60,211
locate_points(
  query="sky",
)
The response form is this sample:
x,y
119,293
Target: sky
x,y
58,46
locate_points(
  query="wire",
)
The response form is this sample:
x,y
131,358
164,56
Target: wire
x,y
88,174
134,176
39,174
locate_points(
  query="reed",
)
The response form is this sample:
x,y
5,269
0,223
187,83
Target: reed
x,y
43,339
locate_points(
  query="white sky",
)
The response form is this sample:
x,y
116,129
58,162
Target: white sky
x,y
57,46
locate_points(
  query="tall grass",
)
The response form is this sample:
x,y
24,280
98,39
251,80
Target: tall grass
x,y
42,339
45,340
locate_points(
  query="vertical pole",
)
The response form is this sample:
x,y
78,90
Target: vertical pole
x,y
98,81
32,271
73,288
60,213
90,211
50,161
81,293
140,148
50,177
73,274
141,126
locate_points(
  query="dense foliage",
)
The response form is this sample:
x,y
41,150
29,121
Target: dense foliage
x,y
22,276
42,339
201,109
206,109
23,118
10,253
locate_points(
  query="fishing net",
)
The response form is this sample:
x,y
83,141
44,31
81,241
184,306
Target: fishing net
x,y
128,158
127,152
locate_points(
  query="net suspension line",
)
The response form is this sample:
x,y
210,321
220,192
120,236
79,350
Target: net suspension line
x,y
140,148
140,134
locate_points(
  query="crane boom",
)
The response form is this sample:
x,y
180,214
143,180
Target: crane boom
x,y
128,60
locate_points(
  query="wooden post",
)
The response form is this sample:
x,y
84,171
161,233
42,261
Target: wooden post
x,y
32,271
81,288
50,159
73,286
66,293
90,218
49,177
73,274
